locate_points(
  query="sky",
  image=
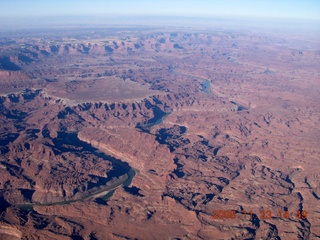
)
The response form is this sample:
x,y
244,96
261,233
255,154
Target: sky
x,y
291,9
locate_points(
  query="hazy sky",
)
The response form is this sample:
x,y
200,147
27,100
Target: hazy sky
x,y
305,9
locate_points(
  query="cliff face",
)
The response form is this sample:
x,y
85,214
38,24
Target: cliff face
x,y
139,149
207,125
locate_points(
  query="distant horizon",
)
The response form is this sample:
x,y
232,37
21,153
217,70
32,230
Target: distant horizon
x,y
156,21
284,9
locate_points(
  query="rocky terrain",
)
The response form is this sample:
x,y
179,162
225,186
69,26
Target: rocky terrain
x,y
208,121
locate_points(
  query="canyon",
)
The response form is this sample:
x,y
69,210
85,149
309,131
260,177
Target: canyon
x,y
207,119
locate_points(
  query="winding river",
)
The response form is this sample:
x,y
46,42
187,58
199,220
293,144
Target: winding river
x,y
121,171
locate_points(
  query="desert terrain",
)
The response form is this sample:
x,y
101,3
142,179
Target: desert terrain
x,y
147,133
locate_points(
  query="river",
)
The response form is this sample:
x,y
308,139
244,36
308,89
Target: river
x,y
121,174
206,88
121,170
